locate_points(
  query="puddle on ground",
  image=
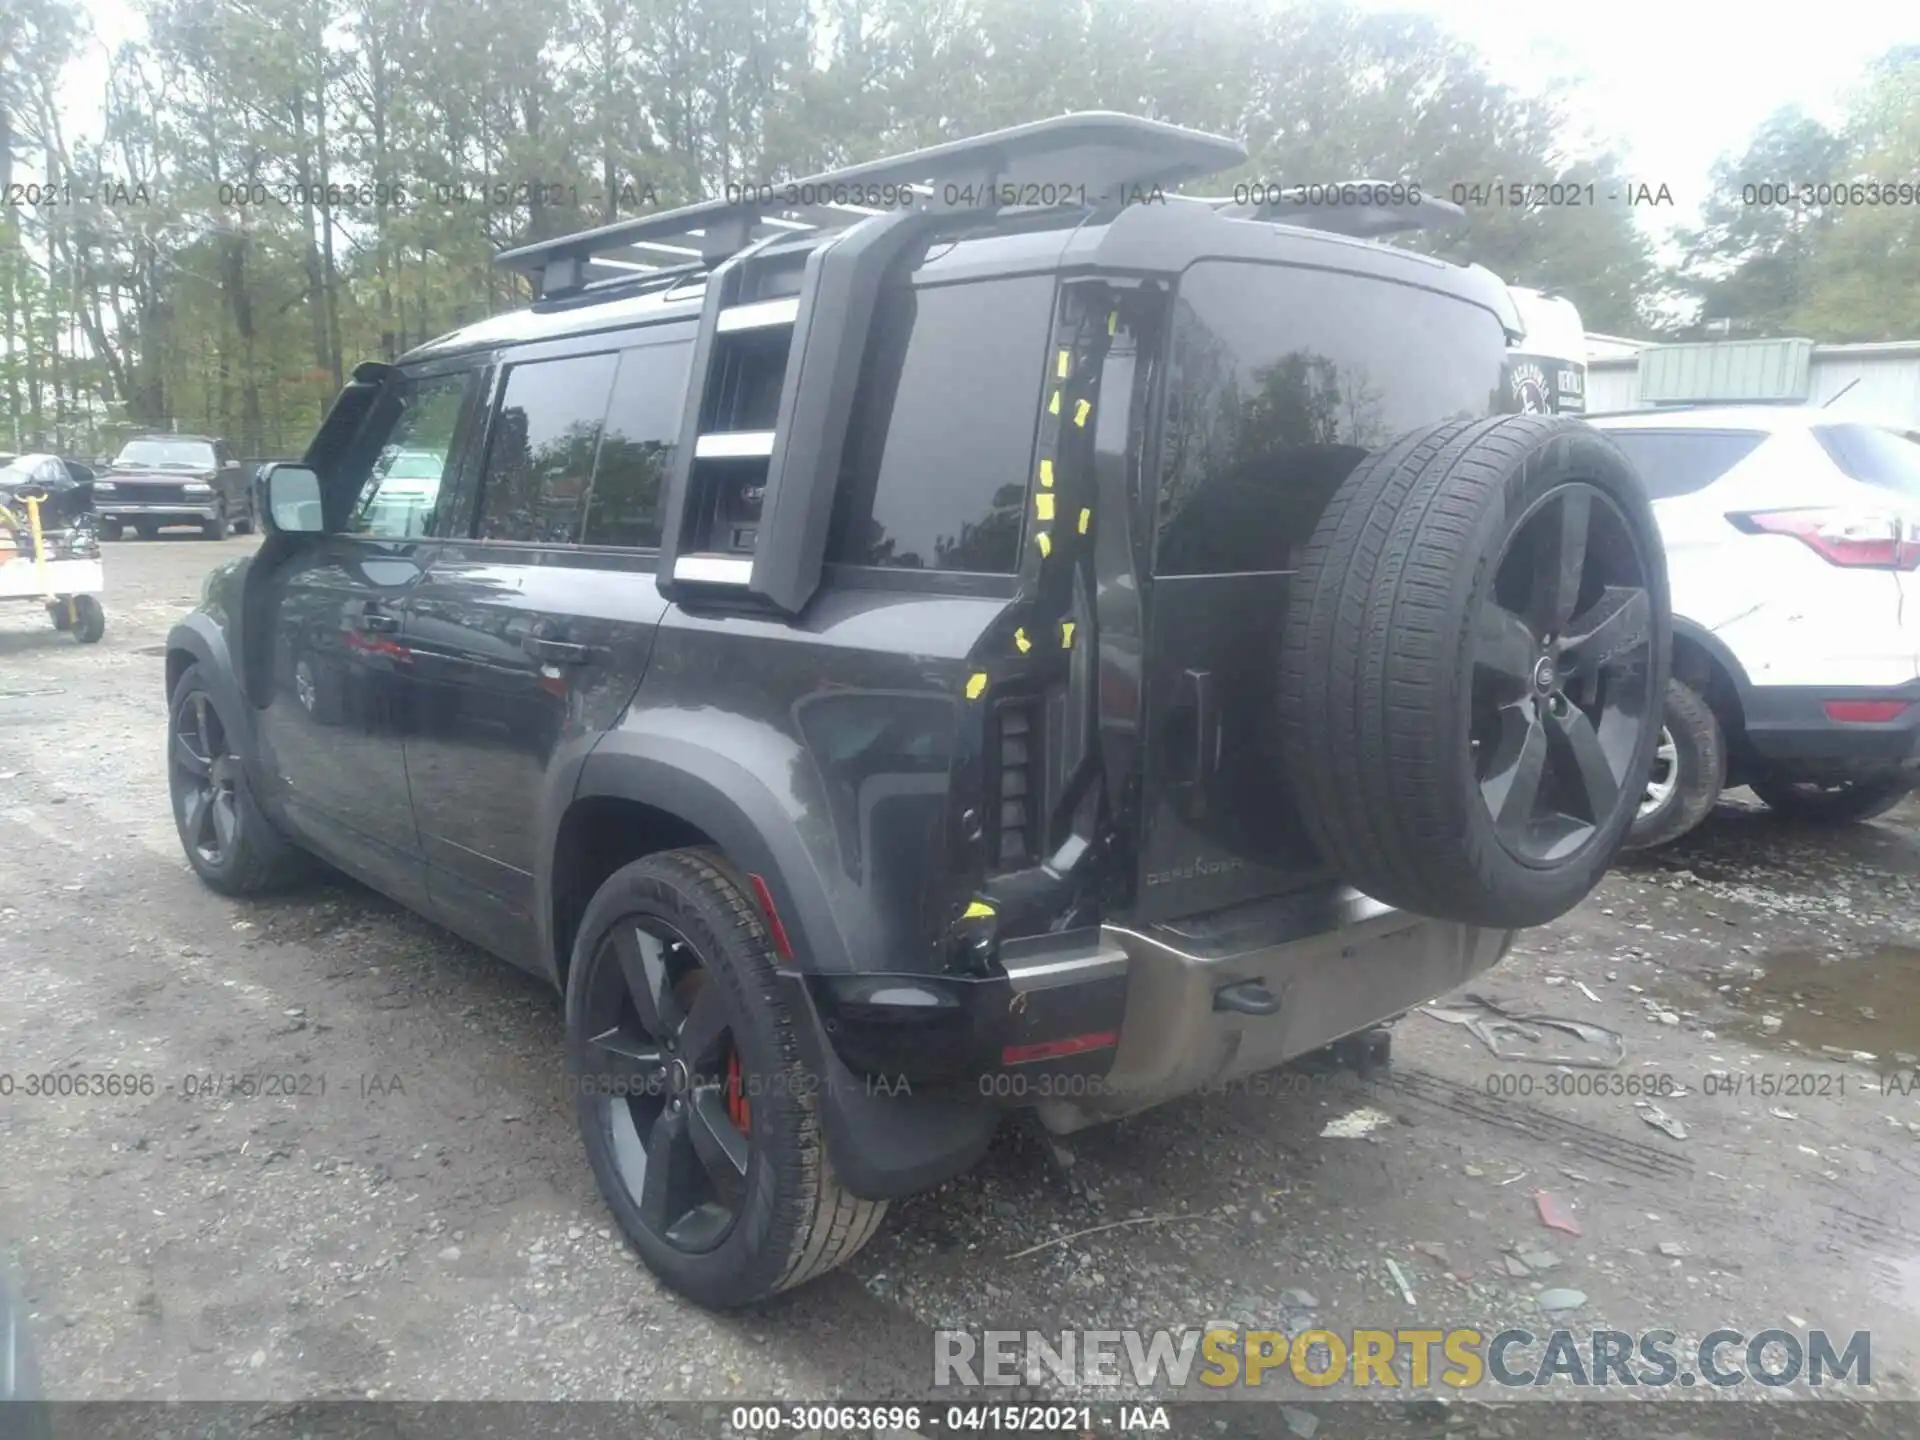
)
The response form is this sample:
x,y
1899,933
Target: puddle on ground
x,y
1861,1000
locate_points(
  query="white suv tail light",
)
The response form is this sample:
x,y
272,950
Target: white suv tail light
x,y
1854,539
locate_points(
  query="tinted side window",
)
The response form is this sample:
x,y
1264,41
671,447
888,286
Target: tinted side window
x,y
1281,381
935,476
397,499
1679,462
642,428
1873,456
540,455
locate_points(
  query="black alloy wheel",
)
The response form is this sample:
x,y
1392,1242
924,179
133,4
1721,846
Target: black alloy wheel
x,y
205,775
1563,674
699,1116
662,1072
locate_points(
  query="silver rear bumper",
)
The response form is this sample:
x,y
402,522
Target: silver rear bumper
x,y
1373,964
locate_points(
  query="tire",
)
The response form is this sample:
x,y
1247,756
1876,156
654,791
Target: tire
x,y
790,1220
1416,701
57,612
90,620
1689,771
1844,802
111,530
247,855
147,529
218,528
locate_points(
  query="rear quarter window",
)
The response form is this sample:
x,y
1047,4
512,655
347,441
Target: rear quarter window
x,y
1873,456
1679,462
935,474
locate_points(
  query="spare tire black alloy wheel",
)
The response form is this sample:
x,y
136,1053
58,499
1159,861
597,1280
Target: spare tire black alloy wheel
x,y
1476,636
1563,681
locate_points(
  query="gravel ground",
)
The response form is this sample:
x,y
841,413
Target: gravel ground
x,y
426,1227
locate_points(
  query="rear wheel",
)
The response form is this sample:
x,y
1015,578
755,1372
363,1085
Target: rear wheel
x,y
1689,769
230,844
700,1120
112,530
1471,666
1834,802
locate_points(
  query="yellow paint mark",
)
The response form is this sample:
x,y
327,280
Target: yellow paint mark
x,y
1081,411
1045,542
1053,405
979,910
1086,519
1113,322
1020,640
1043,505
1046,474
1066,634
976,684
1064,365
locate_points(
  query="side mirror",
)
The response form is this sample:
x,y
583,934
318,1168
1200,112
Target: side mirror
x,y
288,497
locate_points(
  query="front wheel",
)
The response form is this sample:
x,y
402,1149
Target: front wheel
x,y
700,1120
219,527
229,842
1689,769
1834,802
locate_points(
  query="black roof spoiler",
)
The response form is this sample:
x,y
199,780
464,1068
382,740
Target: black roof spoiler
x,y
1336,214
1088,156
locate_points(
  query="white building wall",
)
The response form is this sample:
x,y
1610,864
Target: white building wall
x,y
1887,389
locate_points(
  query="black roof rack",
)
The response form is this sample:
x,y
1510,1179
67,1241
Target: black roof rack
x,y
1337,213
1088,156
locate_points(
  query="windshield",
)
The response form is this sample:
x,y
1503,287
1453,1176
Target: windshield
x,y
167,454
1873,456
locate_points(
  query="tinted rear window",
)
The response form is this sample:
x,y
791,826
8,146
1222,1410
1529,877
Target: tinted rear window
x,y
1281,381
935,476
1679,462
1873,456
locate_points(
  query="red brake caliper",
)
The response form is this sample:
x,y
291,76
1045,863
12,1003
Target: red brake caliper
x,y
737,1095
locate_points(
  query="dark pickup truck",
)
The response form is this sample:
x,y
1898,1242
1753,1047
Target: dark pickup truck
x,y
159,480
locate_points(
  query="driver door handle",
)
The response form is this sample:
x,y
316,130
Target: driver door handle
x,y
379,622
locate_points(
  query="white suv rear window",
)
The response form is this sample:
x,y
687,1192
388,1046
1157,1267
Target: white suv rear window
x,y
1679,462
1873,456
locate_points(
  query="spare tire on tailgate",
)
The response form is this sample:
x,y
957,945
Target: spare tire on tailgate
x,y
1475,644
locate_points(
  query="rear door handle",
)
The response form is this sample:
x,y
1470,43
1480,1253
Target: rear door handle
x,y
1206,726
556,652
379,621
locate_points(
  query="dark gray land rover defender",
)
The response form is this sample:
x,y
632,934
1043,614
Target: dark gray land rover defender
x,y
964,632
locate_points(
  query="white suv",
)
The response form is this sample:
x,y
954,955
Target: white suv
x,y
1792,538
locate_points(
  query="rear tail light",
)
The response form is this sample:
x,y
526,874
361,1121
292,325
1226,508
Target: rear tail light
x,y
1866,712
1854,539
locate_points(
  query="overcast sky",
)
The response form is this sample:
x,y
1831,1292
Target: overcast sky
x,y
1673,83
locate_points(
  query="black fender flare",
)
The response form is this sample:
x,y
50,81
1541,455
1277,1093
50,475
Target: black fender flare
x,y
200,636
729,803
